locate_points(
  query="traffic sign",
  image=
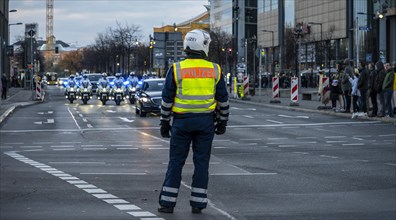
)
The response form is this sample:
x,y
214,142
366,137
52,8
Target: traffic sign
x,y
364,28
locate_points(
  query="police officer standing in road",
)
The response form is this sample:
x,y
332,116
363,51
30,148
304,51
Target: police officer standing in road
x,y
196,93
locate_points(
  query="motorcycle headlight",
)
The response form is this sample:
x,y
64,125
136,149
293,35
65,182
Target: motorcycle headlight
x,y
72,89
104,90
144,99
133,89
85,90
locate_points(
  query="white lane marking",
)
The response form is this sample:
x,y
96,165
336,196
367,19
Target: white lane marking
x,y
297,152
247,116
158,148
135,174
287,145
105,196
121,145
293,116
66,162
85,120
359,139
111,111
328,156
127,207
38,122
13,143
89,126
74,119
244,109
353,144
220,147
152,145
96,190
86,186
50,121
78,112
334,137
391,164
250,144
70,142
335,141
126,119
115,201
42,142
306,138
127,148
6,146
81,115
389,140
252,139
141,214
241,174
229,216
31,146
278,138
92,145
386,135
65,146
95,148
277,122
64,149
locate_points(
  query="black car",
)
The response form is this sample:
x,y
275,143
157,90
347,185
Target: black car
x,y
94,78
148,96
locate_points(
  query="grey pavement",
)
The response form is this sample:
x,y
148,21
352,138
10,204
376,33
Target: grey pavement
x,y
19,97
16,97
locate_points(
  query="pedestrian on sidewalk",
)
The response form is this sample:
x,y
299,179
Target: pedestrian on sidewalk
x,y
4,84
378,86
387,87
363,87
335,92
196,93
346,85
355,94
394,87
340,73
372,89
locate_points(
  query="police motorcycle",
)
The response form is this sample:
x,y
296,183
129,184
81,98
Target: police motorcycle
x,y
131,84
118,89
103,91
85,90
71,89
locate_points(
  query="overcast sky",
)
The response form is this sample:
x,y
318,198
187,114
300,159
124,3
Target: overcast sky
x,y
79,21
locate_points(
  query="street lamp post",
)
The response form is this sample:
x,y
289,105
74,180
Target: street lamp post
x,y
321,33
272,53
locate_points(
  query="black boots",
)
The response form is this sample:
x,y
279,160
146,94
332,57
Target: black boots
x,y
167,209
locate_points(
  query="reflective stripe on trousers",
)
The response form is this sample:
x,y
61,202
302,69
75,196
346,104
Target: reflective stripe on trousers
x,y
200,132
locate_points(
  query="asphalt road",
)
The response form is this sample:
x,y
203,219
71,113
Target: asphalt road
x,y
74,161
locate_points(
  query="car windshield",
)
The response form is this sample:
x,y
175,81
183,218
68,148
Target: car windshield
x,y
154,86
94,77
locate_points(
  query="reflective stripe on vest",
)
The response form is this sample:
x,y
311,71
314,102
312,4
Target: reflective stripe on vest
x,y
196,81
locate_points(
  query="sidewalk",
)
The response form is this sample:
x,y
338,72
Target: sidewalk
x,y
16,97
303,105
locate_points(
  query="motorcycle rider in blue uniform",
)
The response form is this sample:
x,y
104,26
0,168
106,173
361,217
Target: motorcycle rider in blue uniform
x,y
71,83
104,82
196,93
86,83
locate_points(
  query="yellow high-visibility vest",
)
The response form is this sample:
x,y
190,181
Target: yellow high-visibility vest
x,y
196,81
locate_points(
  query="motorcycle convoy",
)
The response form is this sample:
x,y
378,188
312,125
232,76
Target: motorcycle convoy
x,y
117,90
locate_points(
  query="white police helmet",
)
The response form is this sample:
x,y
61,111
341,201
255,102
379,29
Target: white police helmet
x,y
104,74
197,40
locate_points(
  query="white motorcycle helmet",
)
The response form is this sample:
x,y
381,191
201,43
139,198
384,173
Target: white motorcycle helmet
x,y
197,41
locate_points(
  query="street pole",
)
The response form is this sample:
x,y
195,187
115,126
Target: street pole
x,y
357,41
260,73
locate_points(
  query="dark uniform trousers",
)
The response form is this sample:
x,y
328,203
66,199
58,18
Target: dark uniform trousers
x,y
199,131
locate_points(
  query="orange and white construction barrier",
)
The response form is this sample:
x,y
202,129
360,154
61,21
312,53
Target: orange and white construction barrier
x,y
275,90
294,91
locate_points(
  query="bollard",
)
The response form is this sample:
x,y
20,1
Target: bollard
x,y
294,92
245,86
325,96
275,90
38,90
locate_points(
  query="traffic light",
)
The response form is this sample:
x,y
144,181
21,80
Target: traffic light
x,y
229,51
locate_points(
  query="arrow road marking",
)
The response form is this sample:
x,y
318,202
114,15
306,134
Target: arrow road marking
x,y
126,119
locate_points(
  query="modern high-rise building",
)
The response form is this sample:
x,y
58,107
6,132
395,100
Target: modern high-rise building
x,y
323,31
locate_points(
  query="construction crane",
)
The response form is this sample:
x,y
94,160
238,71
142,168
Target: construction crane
x,y
49,33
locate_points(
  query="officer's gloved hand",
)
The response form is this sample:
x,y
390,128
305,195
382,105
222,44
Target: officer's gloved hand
x,y
165,129
220,127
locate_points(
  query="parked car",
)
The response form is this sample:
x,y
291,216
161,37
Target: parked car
x,y
149,96
94,78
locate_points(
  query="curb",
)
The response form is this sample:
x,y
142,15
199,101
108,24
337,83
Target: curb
x,y
17,105
328,112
